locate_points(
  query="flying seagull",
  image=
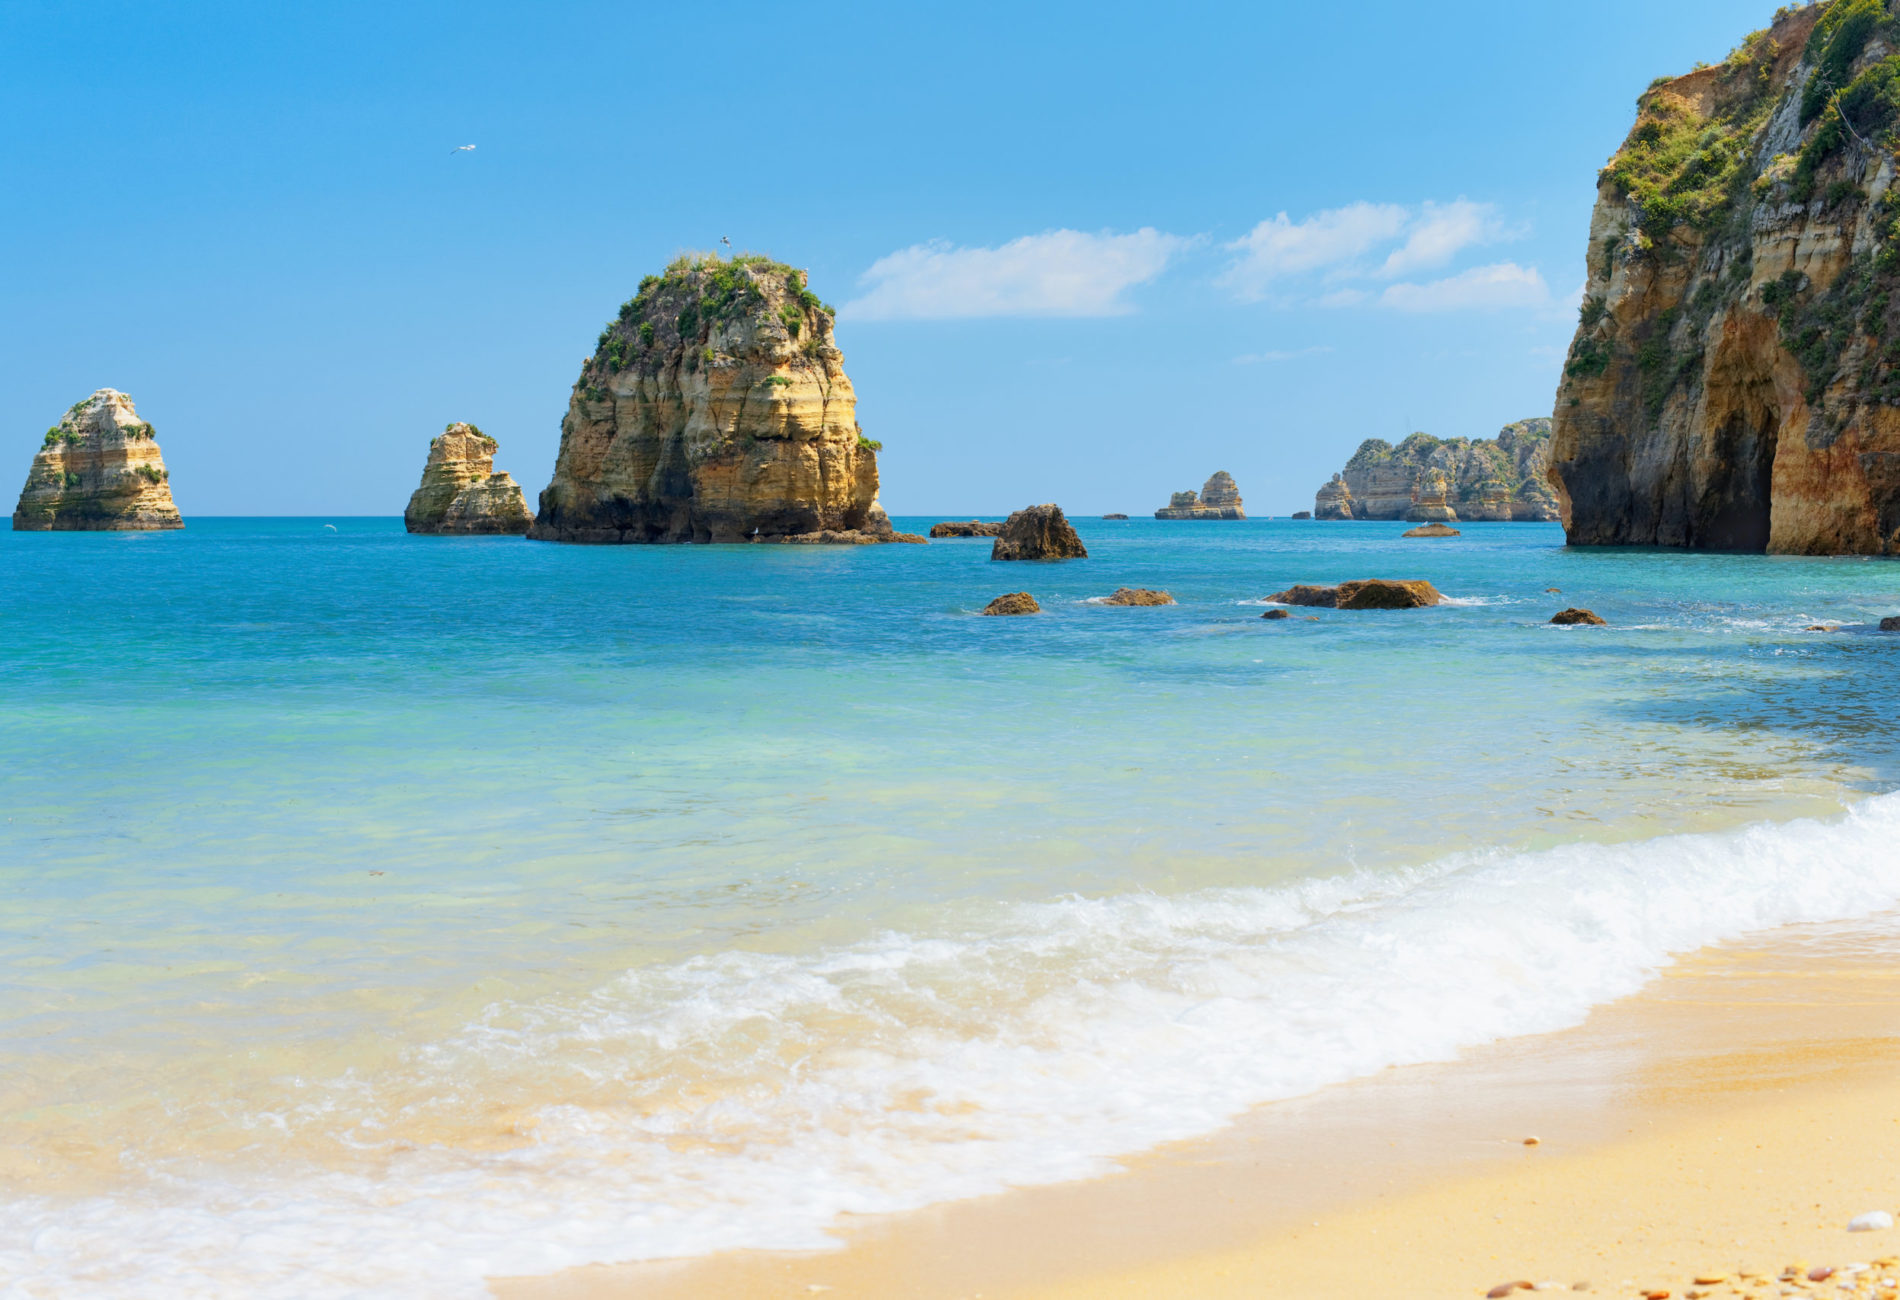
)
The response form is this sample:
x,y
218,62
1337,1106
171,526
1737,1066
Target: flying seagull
x,y
725,241
460,148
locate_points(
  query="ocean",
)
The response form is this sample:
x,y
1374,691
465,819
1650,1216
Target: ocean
x,y
382,913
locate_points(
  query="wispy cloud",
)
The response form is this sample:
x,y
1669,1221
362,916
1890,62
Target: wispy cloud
x,y
1503,284
1057,273
1279,248
1339,257
1263,358
1440,233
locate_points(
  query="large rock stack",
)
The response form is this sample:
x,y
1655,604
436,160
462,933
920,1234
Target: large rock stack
x,y
715,409
462,493
98,469
1496,479
1219,498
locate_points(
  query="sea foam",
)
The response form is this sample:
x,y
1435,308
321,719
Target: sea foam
x,y
747,1099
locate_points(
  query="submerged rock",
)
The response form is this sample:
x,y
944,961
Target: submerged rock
x,y
1219,498
461,493
1575,617
1016,602
1431,530
1138,596
715,409
974,528
1038,533
98,470
1367,593
1276,614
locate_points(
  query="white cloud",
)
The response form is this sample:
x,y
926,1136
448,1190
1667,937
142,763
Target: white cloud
x,y
1279,247
1057,273
1257,358
1440,233
1503,284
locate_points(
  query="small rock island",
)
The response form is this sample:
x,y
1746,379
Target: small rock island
x,y
461,493
1219,498
715,408
98,470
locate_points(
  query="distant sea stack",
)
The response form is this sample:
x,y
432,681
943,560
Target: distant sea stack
x,y
461,493
715,409
1445,480
1219,498
99,469
1734,382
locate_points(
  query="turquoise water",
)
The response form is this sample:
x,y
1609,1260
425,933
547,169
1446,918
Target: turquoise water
x,y
494,906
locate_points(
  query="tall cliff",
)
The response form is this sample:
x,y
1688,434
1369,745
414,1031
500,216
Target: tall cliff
x,y
99,469
715,409
1485,479
1734,383
460,490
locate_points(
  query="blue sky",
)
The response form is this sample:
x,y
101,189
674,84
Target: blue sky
x,y
1083,252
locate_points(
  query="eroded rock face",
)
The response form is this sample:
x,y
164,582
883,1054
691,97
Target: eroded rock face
x,y
1218,498
1486,479
1038,533
1367,593
99,469
460,491
715,409
1734,383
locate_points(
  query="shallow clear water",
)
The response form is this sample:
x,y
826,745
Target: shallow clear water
x,y
380,912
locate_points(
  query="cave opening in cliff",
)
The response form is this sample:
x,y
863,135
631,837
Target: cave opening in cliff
x,y
1739,503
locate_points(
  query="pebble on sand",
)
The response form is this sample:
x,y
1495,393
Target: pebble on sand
x,y
1872,1221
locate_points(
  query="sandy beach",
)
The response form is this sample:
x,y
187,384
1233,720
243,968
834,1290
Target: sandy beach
x,y
1726,1123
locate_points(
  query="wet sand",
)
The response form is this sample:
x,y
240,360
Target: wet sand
x,y
1730,1119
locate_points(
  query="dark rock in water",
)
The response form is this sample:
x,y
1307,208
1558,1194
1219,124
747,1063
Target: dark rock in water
x,y
975,528
1038,533
1114,516
1276,613
1431,530
1368,593
848,537
1016,602
1819,627
1302,514
1573,617
1138,596
1890,624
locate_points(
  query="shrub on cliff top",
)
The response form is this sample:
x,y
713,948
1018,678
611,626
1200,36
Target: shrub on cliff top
x,y
1862,113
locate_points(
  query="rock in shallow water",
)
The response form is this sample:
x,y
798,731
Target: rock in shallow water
x,y
1016,602
1576,617
1138,596
1367,593
1431,530
1890,624
974,528
1038,533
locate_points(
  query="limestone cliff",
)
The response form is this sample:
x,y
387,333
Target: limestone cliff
x,y
461,492
1484,479
1734,383
715,409
1219,498
98,469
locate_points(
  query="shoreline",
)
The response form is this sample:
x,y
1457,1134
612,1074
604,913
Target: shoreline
x,y
1732,1115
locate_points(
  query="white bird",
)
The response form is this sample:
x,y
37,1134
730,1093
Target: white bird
x,y
725,241
331,527
460,148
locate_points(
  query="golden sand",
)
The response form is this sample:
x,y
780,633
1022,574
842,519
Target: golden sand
x,y
1725,1123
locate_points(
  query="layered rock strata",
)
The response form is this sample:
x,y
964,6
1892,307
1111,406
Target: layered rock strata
x,y
1367,593
715,408
1038,533
1734,382
1484,479
99,469
461,492
1219,498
